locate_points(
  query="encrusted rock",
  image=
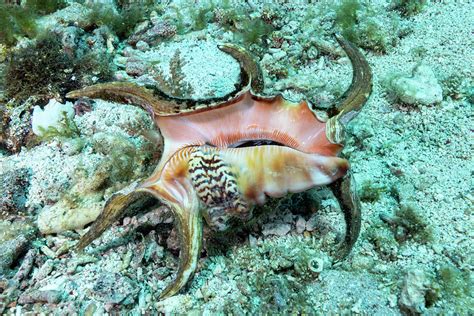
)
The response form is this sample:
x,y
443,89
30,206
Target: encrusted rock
x,y
421,87
114,288
26,265
11,250
15,127
14,187
135,67
61,216
38,296
15,240
43,271
70,38
312,223
160,215
79,261
82,106
172,242
412,297
163,29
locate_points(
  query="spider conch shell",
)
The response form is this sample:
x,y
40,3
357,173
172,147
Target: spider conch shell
x,y
222,156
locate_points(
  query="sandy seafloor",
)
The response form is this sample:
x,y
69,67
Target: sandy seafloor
x,y
412,162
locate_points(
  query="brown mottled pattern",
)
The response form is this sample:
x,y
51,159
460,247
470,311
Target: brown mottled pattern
x,y
216,186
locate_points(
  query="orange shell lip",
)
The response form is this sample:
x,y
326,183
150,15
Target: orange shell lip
x,y
252,118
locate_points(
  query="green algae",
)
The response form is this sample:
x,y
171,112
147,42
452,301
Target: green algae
x,y
203,15
20,20
67,129
247,29
370,191
346,18
38,69
122,157
457,86
253,31
407,224
383,240
120,21
454,282
366,25
411,225
15,22
43,68
450,285
44,7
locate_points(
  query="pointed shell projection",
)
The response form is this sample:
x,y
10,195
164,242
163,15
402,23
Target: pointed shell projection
x,y
223,155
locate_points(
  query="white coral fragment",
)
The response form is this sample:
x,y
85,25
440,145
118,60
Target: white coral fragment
x,y
52,116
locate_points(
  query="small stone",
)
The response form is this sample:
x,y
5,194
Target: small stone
x,y
198,294
72,146
155,18
407,252
160,215
126,260
392,300
60,216
278,229
142,46
252,241
82,106
48,252
163,29
362,263
120,61
312,53
380,268
288,218
79,261
357,307
300,225
312,223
